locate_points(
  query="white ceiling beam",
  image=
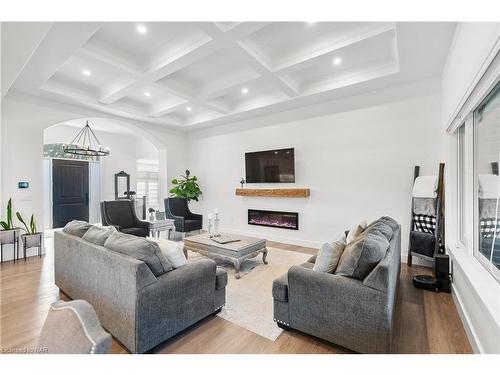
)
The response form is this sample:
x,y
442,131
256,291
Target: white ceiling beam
x,y
176,62
19,42
60,43
230,39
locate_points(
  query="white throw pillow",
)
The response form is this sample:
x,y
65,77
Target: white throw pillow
x,y
173,251
329,255
356,231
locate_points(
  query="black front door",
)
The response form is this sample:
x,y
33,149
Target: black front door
x,y
70,191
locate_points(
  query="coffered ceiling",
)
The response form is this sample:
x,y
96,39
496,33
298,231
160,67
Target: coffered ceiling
x,y
191,74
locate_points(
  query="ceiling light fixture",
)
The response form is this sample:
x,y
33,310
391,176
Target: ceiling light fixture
x,y
337,61
188,108
244,90
147,93
86,143
141,29
86,72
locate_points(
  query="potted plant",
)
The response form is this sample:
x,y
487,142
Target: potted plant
x,y
8,232
186,187
31,238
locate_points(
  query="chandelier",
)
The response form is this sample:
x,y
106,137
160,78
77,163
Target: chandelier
x,y
86,143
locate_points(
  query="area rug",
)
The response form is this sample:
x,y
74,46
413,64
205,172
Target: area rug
x,y
249,300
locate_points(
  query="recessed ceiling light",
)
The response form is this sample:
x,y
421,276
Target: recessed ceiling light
x,y
86,72
141,29
244,90
147,93
337,61
188,108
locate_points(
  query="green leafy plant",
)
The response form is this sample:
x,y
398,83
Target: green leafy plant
x,y
186,187
8,224
32,228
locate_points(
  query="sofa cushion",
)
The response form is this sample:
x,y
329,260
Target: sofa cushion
x,y
329,254
280,288
77,228
98,235
391,222
141,249
220,278
171,250
362,255
355,231
381,227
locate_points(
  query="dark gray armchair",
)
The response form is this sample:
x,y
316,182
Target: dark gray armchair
x,y
121,214
184,220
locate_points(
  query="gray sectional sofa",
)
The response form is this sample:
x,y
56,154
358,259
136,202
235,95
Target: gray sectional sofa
x,y
139,309
350,312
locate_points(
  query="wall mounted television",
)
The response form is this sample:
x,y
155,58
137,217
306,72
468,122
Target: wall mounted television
x,y
270,166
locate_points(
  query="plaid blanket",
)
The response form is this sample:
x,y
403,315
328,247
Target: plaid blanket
x,y
424,223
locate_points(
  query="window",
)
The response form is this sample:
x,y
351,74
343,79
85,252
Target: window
x,y
486,182
148,182
461,184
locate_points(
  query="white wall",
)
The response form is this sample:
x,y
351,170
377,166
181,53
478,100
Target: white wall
x,y
358,164
474,290
472,44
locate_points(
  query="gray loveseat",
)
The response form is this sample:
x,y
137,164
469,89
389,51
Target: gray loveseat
x,y
356,314
136,307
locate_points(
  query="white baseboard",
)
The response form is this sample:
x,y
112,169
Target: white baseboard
x,y
469,329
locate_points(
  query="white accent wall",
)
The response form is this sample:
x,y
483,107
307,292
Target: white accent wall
x,y
358,165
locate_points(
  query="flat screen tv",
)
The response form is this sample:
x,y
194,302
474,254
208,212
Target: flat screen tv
x,y
270,166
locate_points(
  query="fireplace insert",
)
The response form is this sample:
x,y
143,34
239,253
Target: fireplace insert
x,y
275,219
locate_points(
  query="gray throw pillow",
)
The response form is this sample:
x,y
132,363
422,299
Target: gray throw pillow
x,y
141,249
329,254
391,222
77,228
362,255
382,227
98,235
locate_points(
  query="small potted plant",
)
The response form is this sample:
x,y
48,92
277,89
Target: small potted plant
x,y
31,238
9,234
186,187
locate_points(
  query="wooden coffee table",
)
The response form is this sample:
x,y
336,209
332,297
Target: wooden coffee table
x,y
235,252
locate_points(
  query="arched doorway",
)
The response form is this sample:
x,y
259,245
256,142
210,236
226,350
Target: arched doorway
x,y
132,150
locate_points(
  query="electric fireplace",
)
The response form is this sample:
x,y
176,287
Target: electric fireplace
x,y
275,219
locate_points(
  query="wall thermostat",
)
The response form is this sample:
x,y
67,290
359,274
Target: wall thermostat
x,y
23,184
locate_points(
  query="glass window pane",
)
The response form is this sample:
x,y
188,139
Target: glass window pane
x,y
487,157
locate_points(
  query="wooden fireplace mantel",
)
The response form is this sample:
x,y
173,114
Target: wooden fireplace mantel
x,y
276,193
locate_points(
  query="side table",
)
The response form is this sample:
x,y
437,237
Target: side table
x,y
157,226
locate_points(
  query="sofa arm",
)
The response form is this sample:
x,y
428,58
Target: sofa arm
x,y
220,278
280,288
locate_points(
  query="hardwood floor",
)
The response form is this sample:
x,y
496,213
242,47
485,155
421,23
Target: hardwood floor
x,y
425,322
